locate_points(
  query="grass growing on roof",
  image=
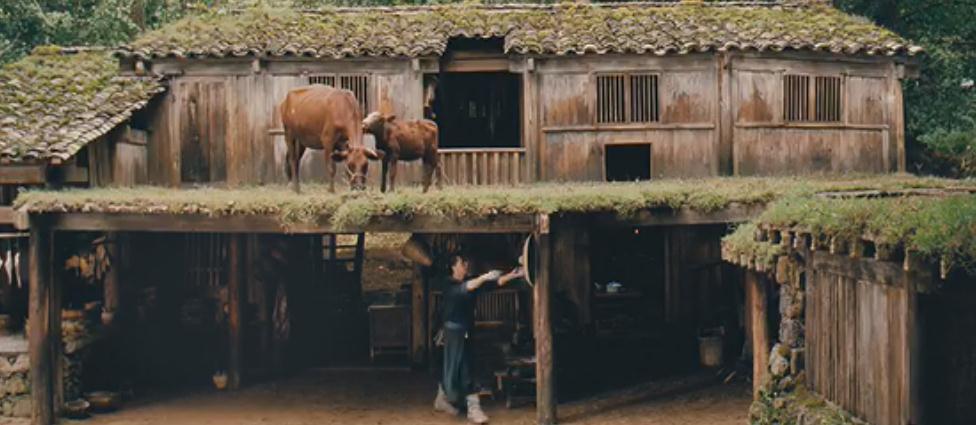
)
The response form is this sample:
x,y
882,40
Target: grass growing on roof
x,y
935,227
352,209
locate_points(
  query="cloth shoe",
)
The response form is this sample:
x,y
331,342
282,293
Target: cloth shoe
x,y
442,405
475,414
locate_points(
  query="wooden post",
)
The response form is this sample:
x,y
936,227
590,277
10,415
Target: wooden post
x,y
545,383
756,294
235,295
418,315
112,276
914,357
44,318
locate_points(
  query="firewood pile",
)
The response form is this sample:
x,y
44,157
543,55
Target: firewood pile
x,y
78,331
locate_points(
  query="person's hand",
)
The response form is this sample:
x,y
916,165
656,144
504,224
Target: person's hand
x,y
517,273
492,275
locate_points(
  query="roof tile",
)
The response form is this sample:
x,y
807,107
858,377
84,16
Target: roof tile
x,y
56,101
562,29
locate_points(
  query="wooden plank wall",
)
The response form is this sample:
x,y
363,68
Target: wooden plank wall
x,y
683,143
765,144
213,124
857,336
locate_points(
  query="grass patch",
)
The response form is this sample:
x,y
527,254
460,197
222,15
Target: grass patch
x,y
354,209
935,227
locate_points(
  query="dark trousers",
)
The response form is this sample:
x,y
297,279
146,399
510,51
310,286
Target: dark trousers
x,y
456,377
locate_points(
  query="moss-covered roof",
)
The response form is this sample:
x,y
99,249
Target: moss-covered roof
x,y
55,101
562,29
350,209
937,225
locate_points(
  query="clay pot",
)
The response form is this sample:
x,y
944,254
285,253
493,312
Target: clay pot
x,y
104,401
220,380
76,409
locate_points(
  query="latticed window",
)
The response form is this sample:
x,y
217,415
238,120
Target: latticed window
x,y
358,84
819,102
627,98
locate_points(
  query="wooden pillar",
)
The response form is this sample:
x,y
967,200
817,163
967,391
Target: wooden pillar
x,y
914,356
756,294
111,288
418,315
44,318
235,299
545,380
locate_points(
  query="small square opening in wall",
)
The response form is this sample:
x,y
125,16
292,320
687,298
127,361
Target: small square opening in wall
x,y
629,162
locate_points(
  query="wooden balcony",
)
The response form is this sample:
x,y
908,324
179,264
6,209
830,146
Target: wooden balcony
x,y
471,167
484,166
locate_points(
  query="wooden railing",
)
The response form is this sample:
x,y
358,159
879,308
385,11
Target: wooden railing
x,y
484,166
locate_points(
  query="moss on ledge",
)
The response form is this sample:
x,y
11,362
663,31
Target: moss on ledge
x,y
349,209
936,227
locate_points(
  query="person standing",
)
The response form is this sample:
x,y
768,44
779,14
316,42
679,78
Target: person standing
x,y
457,313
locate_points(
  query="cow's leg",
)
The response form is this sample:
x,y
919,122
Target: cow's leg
x,y
428,174
293,157
393,171
384,167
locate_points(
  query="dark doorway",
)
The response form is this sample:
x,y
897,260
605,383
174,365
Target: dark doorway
x,y
628,162
477,109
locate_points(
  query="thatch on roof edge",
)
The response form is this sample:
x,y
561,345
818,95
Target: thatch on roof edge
x,y
57,100
560,29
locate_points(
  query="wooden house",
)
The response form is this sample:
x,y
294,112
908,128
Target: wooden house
x,y
523,94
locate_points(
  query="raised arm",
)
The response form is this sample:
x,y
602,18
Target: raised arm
x,y
476,283
516,273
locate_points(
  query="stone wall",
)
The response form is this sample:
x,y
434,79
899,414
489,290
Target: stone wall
x,y
14,379
783,399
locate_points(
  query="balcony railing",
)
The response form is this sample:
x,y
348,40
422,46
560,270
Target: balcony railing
x,y
484,166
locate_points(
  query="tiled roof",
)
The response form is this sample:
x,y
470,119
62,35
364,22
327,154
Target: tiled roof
x,y
55,101
562,29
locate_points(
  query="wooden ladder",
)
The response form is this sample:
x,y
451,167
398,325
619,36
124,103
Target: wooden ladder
x,y
336,255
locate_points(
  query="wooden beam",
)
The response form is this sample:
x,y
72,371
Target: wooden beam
x,y
235,299
126,222
22,174
756,294
735,213
542,322
44,318
870,270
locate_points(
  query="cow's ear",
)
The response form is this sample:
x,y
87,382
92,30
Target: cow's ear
x,y
340,155
390,118
374,154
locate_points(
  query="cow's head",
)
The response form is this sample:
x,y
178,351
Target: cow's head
x,y
356,161
375,122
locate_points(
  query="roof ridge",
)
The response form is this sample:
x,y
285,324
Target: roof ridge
x,y
554,6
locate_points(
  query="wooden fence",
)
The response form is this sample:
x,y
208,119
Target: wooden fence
x,y
858,341
484,166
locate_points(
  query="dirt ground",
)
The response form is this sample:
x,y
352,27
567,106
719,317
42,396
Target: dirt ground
x,y
371,397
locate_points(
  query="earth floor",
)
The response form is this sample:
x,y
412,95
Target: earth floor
x,y
378,397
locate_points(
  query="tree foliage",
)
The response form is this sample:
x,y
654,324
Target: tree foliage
x,y
940,109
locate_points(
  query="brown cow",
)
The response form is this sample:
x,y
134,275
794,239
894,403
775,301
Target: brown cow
x,y
404,141
323,117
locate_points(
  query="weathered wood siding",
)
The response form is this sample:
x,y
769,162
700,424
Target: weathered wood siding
x,y
858,341
764,143
683,141
214,123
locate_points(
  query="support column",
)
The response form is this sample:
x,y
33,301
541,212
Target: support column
x,y
44,319
418,315
235,299
545,384
756,296
111,295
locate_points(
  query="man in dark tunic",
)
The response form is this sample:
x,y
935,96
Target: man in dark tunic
x,y
458,302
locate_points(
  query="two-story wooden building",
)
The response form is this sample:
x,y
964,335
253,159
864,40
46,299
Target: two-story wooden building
x,y
523,94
